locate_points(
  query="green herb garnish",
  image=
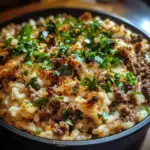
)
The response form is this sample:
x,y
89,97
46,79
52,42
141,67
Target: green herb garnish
x,y
57,98
134,93
65,114
25,43
46,65
34,83
103,115
64,70
69,122
8,42
26,72
130,78
107,85
37,131
92,84
74,89
40,103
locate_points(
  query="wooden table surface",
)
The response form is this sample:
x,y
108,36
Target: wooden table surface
x,y
135,11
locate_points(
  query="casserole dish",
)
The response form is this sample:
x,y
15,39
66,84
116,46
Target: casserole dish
x,y
117,141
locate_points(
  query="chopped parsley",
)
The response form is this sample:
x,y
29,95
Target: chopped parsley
x,y
57,73
28,63
134,93
51,27
57,98
26,72
64,70
8,42
79,115
107,85
92,84
37,130
25,43
34,83
109,62
40,103
69,122
63,49
130,78
117,81
103,115
65,116
26,30
74,89
46,65
147,108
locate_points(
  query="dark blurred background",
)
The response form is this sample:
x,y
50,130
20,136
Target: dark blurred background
x,y
8,4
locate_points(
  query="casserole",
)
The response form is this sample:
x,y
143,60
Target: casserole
x,y
125,135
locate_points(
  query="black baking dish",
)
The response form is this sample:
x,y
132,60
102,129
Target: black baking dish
x,y
119,141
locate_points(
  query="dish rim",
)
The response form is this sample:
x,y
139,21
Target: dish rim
x,y
119,20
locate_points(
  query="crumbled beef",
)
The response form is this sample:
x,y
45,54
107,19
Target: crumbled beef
x,y
101,77
61,128
126,58
146,88
50,91
4,55
86,16
53,109
2,44
75,64
60,61
71,108
136,38
33,94
140,68
47,111
128,87
127,112
51,40
138,47
120,95
58,116
65,28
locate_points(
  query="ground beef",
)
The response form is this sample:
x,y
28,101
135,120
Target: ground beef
x,y
136,38
61,128
58,116
60,61
126,58
120,95
51,40
51,108
138,47
127,112
71,108
86,16
50,91
46,112
140,67
4,55
75,64
33,94
146,88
